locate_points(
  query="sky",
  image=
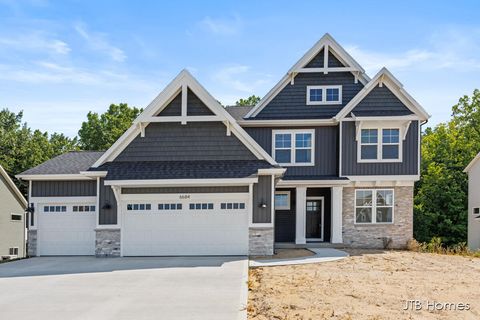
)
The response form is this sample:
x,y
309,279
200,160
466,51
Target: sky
x,y
61,59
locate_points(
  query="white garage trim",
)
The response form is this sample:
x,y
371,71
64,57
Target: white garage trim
x,y
182,182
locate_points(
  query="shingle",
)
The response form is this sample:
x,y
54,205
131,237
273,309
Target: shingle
x,y
68,163
142,170
238,112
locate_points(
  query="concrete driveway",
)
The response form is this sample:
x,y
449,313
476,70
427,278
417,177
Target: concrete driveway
x,y
124,288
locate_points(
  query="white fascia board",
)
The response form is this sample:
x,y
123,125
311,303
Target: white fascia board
x,y
181,182
272,171
52,177
65,200
293,183
385,178
95,174
472,163
287,123
385,118
12,185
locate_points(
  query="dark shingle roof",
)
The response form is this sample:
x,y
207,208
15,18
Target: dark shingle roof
x,y
68,163
238,112
312,177
143,170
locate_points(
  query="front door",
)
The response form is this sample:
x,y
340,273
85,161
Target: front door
x,y
314,221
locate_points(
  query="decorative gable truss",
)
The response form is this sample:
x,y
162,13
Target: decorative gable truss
x,y
183,87
329,48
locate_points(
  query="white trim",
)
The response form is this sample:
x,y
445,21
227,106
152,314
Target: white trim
x,y
322,215
29,203
326,70
287,122
64,200
385,118
337,218
97,218
333,47
293,146
53,177
272,171
472,163
391,178
379,143
182,119
385,77
181,182
12,185
340,145
184,104
294,183
281,192
324,100
94,174
300,215
374,207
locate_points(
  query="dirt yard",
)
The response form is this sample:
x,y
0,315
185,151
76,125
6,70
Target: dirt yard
x,y
368,285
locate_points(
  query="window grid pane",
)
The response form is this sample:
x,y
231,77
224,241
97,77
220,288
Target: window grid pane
x,y
333,94
316,95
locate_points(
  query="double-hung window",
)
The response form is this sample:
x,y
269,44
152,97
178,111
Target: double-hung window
x,y
374,206
380,145
293,147
324,95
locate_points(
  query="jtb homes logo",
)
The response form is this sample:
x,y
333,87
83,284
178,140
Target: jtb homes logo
x,y
417,305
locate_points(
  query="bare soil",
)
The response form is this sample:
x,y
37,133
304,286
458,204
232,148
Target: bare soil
x,y
287,254
368,285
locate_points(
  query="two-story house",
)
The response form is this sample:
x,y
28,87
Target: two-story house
x,y
327,156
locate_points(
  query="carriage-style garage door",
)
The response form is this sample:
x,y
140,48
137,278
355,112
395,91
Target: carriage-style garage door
x,y
66,229
176,225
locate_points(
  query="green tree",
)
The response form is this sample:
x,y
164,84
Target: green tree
x,y
250,101
99,132
441,195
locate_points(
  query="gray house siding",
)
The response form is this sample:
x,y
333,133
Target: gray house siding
x,y
290,102
77,188
160,190
108,205
317,61
381,102
193,141
174,108
350,167
285,220
326,150
262,194
195,106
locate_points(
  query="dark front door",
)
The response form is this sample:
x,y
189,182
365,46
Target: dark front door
x,y
314,221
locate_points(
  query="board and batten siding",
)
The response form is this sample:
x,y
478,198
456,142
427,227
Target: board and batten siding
x,y
262,194
108,205
350,166
73,188
285,220
195,106
380,102
326,150
193,141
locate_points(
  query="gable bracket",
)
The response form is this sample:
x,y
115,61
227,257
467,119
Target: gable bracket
x,y
358,130
229,131
141,126
292,78
405,128
184,103
380,81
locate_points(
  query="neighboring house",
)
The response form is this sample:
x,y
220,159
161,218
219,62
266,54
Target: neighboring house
x,y
12,224
473,170
328,155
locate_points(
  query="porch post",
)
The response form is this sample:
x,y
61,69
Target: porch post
x,y
337,198
301,211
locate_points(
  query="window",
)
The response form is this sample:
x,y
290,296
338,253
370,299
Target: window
x,y
139,206
374,206
380,145
282,200
201,206
55,209
476,210
13,251
84,208
232,206
169,206
16,217
293,147
324,95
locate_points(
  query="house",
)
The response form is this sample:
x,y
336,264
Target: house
x,y
473,170
328,156
12,221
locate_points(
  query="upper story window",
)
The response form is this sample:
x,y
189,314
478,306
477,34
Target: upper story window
x,y
293,147
380,145
324,95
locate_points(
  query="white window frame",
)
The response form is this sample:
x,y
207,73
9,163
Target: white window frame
x,y
374,206
324,95
13,254
287,207
293,147
16,214
380,144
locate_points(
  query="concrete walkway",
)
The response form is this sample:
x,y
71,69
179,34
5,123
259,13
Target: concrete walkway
x,y
85,288
321,255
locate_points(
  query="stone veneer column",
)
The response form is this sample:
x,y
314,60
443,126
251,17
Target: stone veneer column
x,y
32,243
260,241
393,235
107,242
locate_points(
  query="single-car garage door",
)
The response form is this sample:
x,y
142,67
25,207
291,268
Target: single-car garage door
x,y
176,225
66,229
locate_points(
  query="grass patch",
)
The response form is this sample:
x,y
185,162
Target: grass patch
x,y
437,246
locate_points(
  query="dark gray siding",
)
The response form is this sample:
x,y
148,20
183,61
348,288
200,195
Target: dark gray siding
x,y
350,167
262,194
326,193
193,141
285,220
326,150
174,108
196,107
317,61
107,199
380,102
227,189
77,188
290,103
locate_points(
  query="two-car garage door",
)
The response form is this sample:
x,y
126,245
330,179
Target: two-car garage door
x,y
194,224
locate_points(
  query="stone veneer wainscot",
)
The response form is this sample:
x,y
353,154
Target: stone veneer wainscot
x,y
107,242
260,241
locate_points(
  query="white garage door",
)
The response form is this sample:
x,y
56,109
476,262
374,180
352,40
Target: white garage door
x,y
176,225
66,229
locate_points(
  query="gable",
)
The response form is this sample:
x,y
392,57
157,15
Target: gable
x,y
195,106
381,102
174,108
193,141
318,61
291,101
9,199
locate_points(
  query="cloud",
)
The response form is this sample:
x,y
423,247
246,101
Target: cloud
x,y
98,42
35,41
222,27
